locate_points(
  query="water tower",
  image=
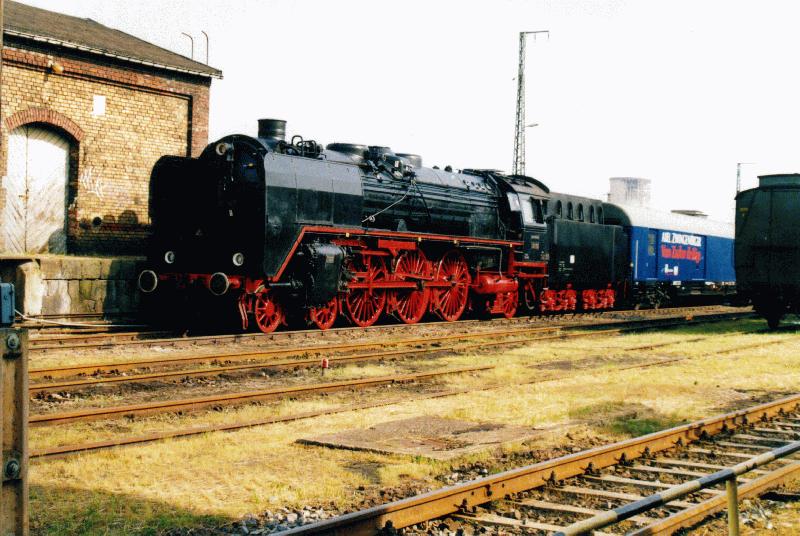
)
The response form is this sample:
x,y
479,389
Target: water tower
x,y
629,191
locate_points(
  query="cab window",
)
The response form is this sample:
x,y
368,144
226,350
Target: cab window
x,y
527,211
537,210
513,202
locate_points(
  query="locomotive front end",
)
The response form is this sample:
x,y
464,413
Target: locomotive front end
x,y
208,216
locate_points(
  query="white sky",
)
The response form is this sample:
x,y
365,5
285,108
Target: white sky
x,y
675,91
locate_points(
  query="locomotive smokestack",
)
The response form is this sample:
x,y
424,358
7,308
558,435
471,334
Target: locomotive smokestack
x,y
272,129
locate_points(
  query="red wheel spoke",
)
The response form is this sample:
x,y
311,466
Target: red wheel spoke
x,y
364,306
267,312
324,316
410,305
449,303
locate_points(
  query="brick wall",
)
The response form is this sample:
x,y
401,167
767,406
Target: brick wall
x,y
148,114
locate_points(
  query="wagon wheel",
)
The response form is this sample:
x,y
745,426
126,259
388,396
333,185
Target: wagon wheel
x,y
364,305
529,295
510,303
410,305
268,313
324,316
449,303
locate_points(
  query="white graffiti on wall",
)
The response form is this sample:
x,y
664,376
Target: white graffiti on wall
x,y
91,183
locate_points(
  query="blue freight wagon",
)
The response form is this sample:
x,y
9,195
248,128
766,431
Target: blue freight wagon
x,y
674,256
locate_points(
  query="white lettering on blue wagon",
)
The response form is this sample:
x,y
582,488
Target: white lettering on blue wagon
x,y
668,237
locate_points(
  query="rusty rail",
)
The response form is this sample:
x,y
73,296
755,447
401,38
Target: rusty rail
x,y
461,497
50,342
727,476
556,331
192,404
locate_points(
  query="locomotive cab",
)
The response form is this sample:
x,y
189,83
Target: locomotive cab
x,y
524,209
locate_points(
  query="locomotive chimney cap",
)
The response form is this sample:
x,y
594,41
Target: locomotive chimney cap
x,y
272,129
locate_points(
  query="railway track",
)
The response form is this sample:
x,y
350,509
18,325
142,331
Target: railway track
x,y
80,340
198,403
545,497
66,450
110,373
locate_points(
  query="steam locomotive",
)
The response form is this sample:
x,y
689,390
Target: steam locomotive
x,y
767,250
286,230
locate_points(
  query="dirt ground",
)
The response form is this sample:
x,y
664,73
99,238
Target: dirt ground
x,y
583,392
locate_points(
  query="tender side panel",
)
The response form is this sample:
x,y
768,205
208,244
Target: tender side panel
x,y
583,254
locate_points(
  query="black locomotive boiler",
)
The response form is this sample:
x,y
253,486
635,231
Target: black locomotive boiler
x,y
767,246
289,229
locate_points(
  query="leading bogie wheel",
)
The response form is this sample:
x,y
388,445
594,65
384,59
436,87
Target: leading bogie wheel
x,y
449,302
268,313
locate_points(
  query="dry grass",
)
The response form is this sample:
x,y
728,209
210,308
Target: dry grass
x,y
222,475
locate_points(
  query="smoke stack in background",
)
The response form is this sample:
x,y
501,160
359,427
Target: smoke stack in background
x,y
629,191
272,129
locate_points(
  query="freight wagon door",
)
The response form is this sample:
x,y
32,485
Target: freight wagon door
x,y
35,214
643,253
784,237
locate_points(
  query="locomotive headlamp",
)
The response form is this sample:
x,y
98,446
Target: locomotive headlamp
x,y
221,148
169,257
238,259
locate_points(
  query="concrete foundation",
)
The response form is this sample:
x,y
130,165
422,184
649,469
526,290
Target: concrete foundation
x,y
62,285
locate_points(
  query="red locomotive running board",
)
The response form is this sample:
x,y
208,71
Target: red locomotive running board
x,y
419,237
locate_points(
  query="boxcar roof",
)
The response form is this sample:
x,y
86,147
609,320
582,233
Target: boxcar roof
x,y
653,219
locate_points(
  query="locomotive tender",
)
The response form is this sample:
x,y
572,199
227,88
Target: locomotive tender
x,y
288,229
768,246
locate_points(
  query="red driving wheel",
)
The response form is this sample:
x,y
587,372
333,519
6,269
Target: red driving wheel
x,y
268,313
324,316
365,305
410,305
449,302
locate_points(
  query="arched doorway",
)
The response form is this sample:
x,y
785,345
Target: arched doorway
x,y
35,219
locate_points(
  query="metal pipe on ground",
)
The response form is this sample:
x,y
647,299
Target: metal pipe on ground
x,y
728,476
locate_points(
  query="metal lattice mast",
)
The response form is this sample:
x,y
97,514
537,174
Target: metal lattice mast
x,y
519,131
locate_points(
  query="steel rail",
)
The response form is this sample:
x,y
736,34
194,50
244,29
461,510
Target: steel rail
x,y
292,363
313,333
673,493
310,363
93,368
74,449
692,516
59,341
168,406
591,330
451,499
66,450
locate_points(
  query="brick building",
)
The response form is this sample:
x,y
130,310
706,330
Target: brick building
x,y
86,112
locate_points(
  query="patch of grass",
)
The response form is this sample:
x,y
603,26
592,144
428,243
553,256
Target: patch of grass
x,y
211,478
68,510
625,419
